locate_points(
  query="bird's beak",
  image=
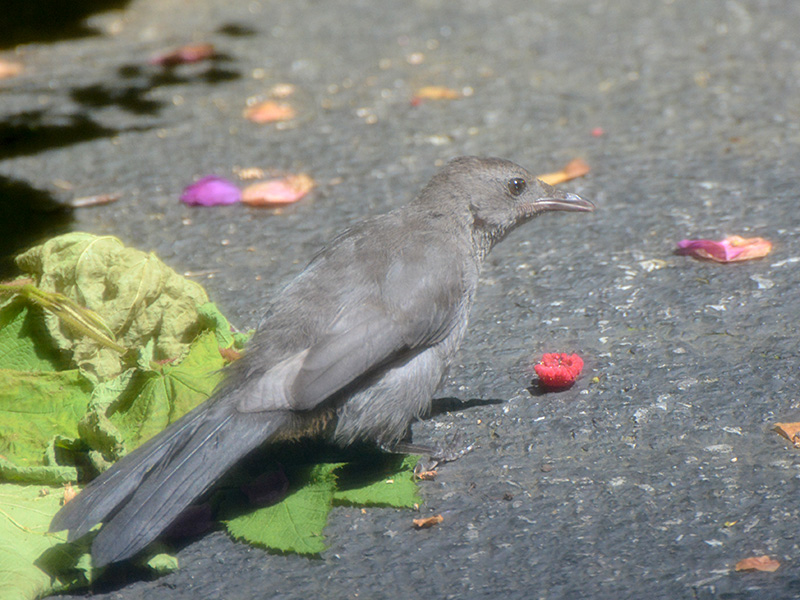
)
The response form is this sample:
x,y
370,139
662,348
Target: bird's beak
x,y
563,201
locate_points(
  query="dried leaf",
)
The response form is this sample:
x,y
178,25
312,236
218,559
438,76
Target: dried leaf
x,y
269,111
230,354
276,192
575,168
211,191
435,92
428,522
758,563
425,475
732,249
69,493
97,200
9,69
190,53
790,431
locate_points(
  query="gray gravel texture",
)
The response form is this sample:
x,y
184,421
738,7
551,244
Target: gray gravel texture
x,y
659,470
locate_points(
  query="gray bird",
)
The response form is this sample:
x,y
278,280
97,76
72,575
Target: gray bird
x,y
352,349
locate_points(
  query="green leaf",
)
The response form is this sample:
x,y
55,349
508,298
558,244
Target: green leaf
x,y
25,344
41,475
133,292
163,563
34,562
227,336
162,397
35,407
397,488
296,523
106,442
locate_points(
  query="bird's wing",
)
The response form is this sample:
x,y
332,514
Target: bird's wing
x,y
417,306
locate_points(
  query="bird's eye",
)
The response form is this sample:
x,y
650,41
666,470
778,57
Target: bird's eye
x,y
516,186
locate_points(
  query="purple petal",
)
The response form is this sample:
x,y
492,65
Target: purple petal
x,y
210,191
705,249
732,249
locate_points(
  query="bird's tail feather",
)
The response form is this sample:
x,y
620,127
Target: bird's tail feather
x,y
146,490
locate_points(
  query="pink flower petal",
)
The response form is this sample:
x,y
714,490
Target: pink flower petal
x,y
276,192
210,191
731,249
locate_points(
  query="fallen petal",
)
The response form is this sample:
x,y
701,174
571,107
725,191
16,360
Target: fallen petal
x,y
269,111
558,371
758,563
210,191
276,192
575,168
10,69
731,249
190,53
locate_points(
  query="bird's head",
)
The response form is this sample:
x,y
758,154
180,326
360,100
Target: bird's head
x,y
493,196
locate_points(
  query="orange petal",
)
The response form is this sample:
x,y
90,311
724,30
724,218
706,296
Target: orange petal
x,y
276,192
269,111
758,563
749,247
9,69
428,522
732,249
575,168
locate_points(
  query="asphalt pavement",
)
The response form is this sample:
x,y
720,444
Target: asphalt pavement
x,y
659,469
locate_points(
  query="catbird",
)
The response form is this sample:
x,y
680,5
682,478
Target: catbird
x,y
352,349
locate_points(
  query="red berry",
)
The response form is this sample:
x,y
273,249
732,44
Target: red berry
x,y
558,370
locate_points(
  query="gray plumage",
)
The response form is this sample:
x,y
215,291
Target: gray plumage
x,y
352,349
